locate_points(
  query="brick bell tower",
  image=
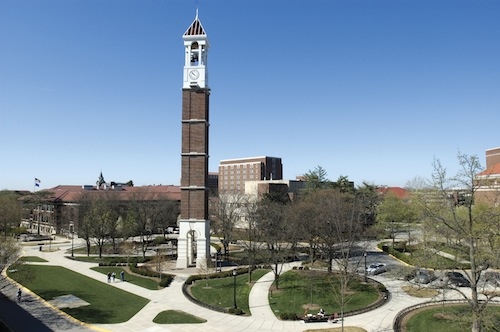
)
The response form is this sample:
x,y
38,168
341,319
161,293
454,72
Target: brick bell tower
x,y
194,227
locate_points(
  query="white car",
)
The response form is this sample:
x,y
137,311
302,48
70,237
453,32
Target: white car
x,y
376,268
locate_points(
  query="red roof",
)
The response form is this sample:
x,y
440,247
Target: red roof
x,y
66,193
494,170
397,191
195,29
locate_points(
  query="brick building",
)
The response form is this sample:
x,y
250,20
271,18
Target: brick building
x,y
58,208
488,181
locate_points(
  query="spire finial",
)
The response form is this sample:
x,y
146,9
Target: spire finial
x,y
196,13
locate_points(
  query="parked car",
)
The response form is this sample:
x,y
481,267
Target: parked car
x,y
492,277
457,279
376,268
424,276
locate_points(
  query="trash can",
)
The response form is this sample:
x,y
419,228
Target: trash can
x,y
385,248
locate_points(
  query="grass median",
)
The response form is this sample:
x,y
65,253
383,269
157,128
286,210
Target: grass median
x,y
219,292
301,290
148,283
107,304
450,318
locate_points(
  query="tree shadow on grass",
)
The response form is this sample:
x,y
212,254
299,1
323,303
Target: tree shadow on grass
x,y
92,316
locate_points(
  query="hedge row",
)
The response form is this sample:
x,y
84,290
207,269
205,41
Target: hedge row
x,y
165,279
224,274
289,316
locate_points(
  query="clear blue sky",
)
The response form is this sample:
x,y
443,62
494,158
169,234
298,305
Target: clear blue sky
x,y
369,89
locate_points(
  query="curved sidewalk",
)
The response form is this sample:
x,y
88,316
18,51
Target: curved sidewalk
x,y
262,319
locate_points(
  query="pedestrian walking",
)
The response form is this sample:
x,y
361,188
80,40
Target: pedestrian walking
x,y
113,276
109,276
19,295
122,275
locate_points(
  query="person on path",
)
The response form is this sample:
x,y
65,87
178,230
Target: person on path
x,y
109,276
19,295
122,275
113,276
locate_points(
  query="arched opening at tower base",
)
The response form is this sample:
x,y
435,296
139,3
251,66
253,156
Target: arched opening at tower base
x,y
192,245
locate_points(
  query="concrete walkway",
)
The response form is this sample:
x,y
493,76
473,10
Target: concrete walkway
x,y
172,298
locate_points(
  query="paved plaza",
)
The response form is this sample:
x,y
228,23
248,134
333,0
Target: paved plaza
x,y
172,298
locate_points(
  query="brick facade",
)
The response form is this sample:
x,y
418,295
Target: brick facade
x,y
194,154
492,157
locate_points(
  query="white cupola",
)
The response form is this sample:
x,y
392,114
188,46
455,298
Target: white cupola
x,y
195,63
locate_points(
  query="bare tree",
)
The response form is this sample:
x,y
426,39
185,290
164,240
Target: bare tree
x,y
102,220
251,243
274,233
168,212
98,216
9,252
206,267
344,226
84,219
472,225
305,217
142,212
226,212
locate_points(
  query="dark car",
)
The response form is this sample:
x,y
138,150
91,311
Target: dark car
x,y
424,276
457,279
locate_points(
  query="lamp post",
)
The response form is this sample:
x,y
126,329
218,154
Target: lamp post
x,y
365,268
234,287
72,231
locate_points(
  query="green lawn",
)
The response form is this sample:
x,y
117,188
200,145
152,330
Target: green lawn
x,y
423,258
451,318
131,278
219,292
301,289
176,317
108,304
34,259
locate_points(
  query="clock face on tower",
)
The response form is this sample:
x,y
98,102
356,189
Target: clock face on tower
x,y
194,74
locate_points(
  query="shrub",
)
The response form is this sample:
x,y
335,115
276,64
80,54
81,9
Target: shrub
x,y
288,316
235,311
166,280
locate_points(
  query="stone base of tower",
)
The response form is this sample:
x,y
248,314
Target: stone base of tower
x,y
193,244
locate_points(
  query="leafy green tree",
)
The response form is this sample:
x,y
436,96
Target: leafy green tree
x,y
395,215
10,211
369,198
317,179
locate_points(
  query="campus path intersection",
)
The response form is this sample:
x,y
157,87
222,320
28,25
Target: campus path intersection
x,y
262,318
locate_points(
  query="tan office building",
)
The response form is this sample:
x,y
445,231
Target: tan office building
x,y
233,173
